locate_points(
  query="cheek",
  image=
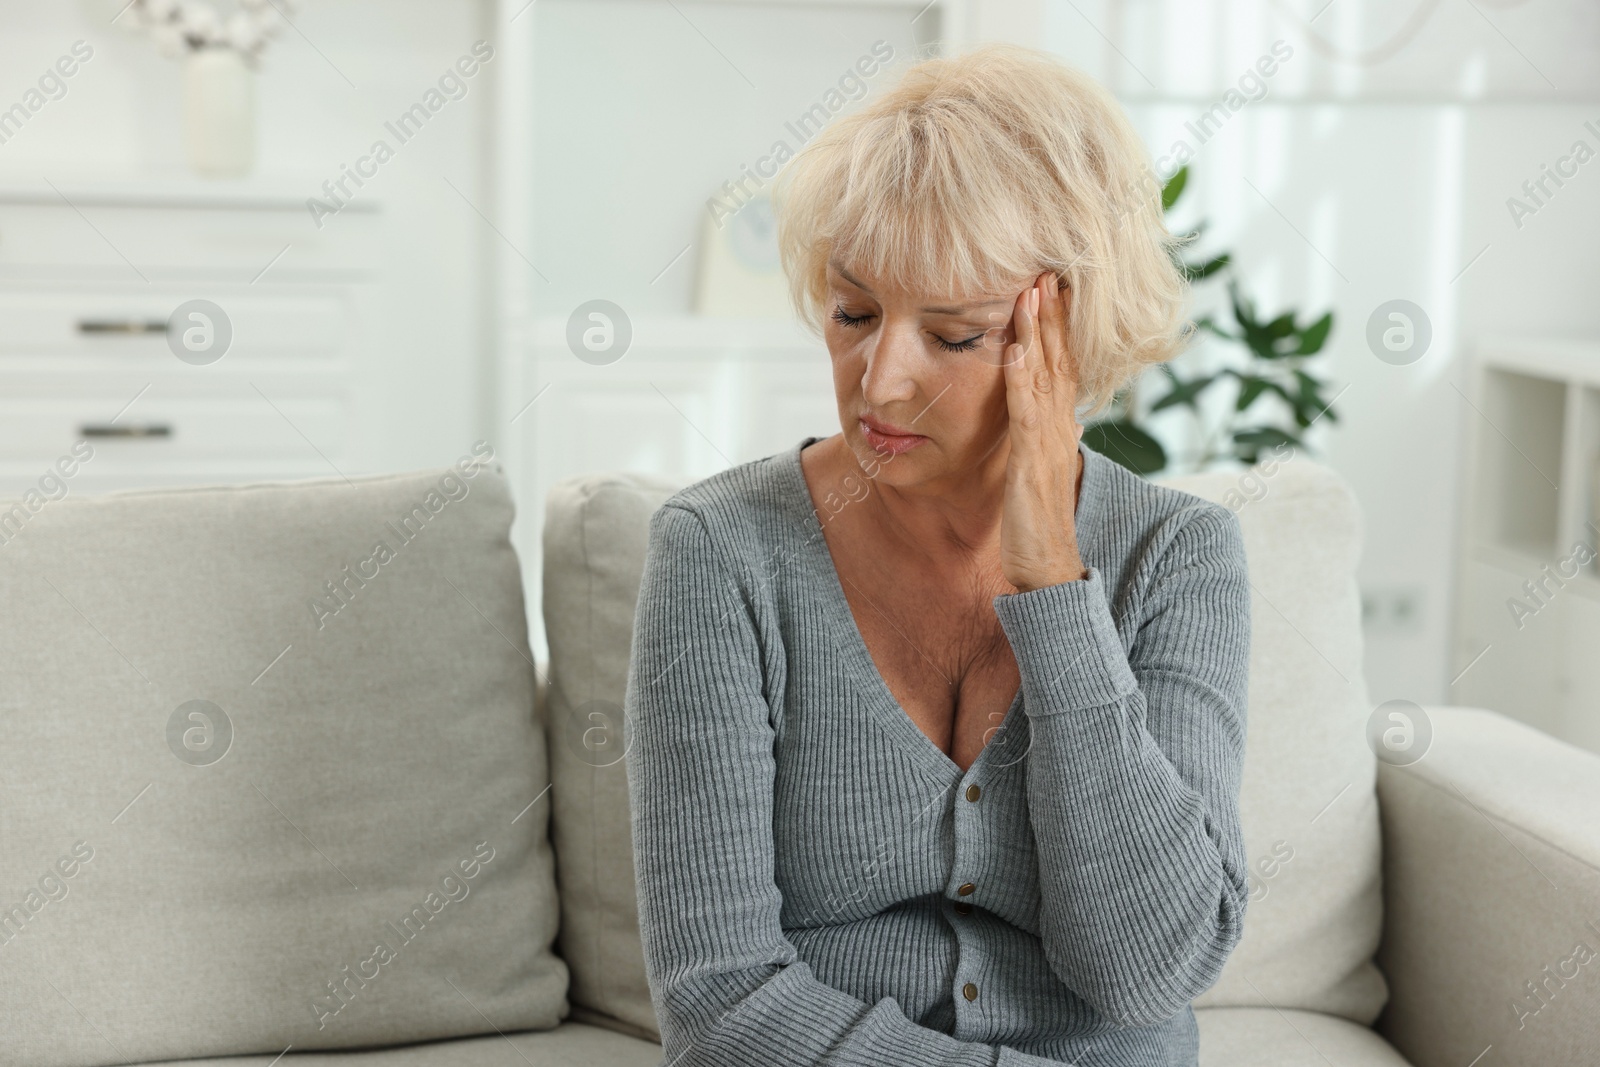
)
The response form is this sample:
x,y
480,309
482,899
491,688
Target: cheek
x,y
847,366
971,399
847,355
988,403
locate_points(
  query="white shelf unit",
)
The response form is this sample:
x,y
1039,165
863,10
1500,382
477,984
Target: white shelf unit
x,y
1530,501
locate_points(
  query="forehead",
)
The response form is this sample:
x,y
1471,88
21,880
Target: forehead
x,y
940,303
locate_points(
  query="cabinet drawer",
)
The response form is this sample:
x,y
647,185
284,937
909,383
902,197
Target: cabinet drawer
x,y
123,324
165,430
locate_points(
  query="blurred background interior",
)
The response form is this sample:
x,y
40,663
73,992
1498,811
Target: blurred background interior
x,y
1405,193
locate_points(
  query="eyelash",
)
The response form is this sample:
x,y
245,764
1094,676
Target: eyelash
x,y
843,319
853,321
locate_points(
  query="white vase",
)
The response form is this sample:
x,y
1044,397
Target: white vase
x,y
219,113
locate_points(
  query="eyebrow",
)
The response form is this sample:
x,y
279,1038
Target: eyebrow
x,y
962,310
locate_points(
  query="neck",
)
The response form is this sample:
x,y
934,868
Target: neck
x,y
956,516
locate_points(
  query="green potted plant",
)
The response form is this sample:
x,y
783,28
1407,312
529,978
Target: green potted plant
x,y
1275,396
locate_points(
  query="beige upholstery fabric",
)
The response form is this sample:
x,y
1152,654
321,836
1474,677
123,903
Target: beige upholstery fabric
x,y
1262,1037
1492,867
569,1045
1308,788
594,540
1308,801
172,905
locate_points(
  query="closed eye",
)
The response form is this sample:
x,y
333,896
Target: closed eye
x,y
845,319
959,346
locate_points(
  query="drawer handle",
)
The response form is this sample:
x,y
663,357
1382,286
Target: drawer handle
x,y
111,429
122,326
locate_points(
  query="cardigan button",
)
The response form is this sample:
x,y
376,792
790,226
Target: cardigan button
x,y
966,888
973,793
962,907
969,991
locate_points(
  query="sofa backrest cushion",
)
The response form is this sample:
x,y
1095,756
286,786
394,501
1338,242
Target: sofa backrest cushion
x,y
271,774
1307,799
594,539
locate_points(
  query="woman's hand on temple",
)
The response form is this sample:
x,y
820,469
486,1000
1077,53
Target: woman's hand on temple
x,y
1038,533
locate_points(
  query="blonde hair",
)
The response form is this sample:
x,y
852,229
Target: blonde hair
x,y
976,173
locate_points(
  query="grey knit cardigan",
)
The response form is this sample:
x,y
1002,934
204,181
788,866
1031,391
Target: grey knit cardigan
x,y
819,883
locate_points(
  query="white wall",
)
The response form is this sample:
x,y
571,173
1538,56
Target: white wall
x,y
1394,171
631,138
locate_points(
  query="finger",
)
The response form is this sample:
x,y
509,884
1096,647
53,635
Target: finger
x,y
1053,327
1022,364
1024,326
1038,357
1027,354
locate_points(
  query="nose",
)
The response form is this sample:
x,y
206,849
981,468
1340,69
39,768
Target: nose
x,y
893,363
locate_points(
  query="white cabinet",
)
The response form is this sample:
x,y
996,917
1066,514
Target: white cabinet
x,y
89,277
1528,601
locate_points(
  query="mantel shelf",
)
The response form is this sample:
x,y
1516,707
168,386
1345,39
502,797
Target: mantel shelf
x,y
278,191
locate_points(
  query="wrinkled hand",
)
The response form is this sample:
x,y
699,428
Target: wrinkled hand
x,y
1038,533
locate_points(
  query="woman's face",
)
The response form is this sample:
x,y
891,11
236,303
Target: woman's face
x,y
919,377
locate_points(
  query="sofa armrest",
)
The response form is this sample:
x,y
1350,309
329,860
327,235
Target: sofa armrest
x,y
1491,848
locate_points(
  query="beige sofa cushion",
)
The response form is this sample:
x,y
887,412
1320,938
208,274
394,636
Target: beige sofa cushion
x,y
1262,1037
191,880
1308,799
594,539
1308,805
568,1045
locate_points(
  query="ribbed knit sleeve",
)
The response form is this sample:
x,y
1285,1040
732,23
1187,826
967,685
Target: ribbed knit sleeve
x,y
1134,769
727,985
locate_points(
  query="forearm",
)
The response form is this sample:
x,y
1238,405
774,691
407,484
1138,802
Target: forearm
x,y
781,1015
1138,911
1142,880
729,988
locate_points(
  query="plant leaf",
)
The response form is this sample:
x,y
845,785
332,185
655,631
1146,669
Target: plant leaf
x,y
1250,389
1261,437
1308,401
1174,188
1186,393
1124,442
1200,271
1255,334
1313,337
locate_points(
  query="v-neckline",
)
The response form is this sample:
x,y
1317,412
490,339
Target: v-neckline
x,y
858,659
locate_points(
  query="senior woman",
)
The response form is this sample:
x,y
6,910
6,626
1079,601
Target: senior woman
x,y
937,723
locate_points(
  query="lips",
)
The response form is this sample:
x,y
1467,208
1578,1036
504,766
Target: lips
x,y
885,437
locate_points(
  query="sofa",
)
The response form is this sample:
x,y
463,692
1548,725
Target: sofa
x,y
284,782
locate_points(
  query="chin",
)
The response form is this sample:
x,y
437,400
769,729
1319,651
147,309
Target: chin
x,y
895,467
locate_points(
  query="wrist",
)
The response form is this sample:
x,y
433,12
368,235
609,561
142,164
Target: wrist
x,y
1072,570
